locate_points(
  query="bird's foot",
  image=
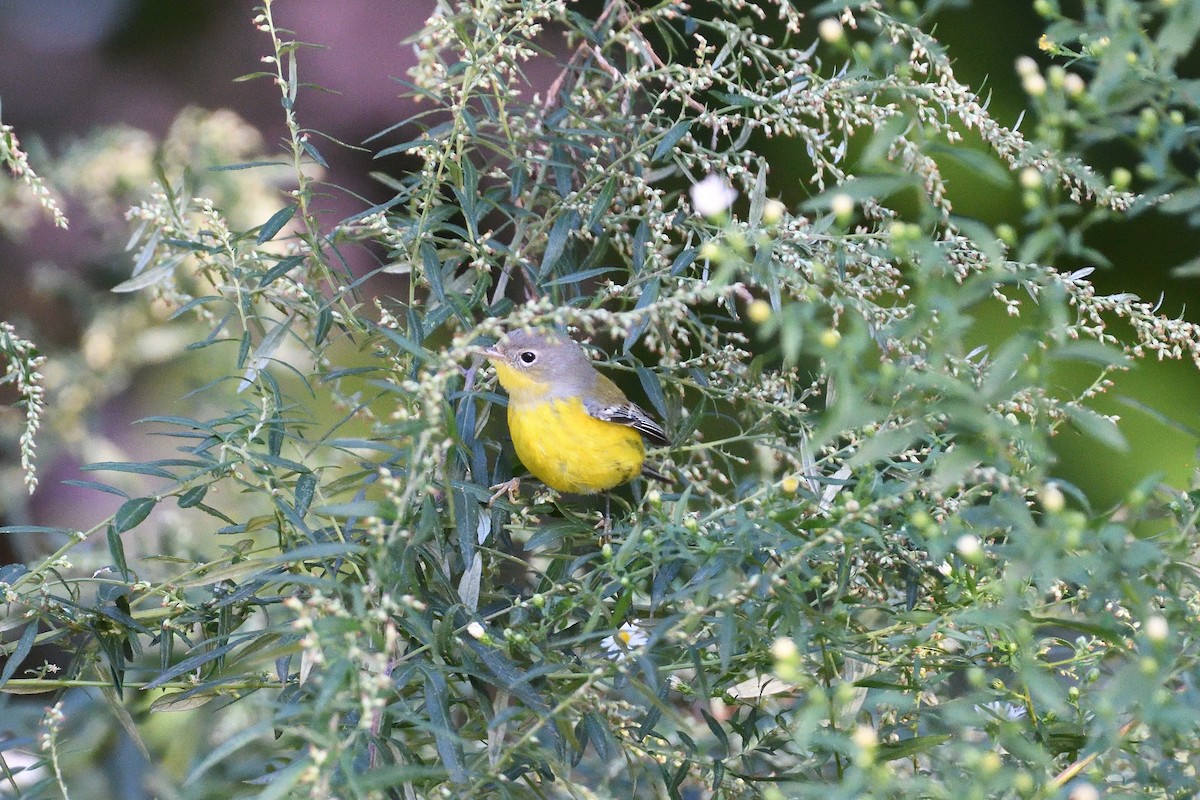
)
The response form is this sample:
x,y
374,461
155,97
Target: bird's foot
x,y
509,487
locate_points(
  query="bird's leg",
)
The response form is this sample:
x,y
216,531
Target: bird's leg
x,y
606,521
509,487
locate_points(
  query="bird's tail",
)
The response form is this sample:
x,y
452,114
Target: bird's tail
x,y
650,472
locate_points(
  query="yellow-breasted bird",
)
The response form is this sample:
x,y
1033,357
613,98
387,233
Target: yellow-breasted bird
x,y
572,427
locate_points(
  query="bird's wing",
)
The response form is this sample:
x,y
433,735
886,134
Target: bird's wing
x,y
627,413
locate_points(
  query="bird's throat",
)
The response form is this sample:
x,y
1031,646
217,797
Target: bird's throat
x,y
522,389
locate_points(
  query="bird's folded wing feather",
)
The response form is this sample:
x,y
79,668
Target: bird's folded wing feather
x,y
629,414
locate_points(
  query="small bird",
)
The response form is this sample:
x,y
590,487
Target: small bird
x,y
572,427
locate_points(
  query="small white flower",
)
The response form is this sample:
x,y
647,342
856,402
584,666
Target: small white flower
x,y
842,205
1157,630
830,29
712,196
968,546
1001,710
1034,85
865,737
628,637
784,649
773,211
476,630
1052,498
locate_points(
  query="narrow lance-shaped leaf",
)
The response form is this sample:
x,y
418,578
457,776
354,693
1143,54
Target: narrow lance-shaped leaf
x,y
437,709
266,351
132,512
117,550
20,652
275,224
671,138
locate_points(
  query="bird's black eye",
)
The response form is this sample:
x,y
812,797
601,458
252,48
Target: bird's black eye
x,y
527,356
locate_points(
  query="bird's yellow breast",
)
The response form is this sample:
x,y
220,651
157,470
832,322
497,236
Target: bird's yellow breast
x,y
568,449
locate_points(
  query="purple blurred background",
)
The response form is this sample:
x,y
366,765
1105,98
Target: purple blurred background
x,y
68,68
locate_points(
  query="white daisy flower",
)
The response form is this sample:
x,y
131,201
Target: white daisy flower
x,y
1001,710
628,637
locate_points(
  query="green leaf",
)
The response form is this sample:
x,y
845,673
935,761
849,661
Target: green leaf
x,y
1100,428
265,351
243,349
183,701
18,529
671,138
404,148
150,277
1039,244
875,187
117,550
509,677
192,497
735,100
726,634
1180,202
284,266
432,270
1178,36
653,389
641,236
602,203
683,261
306,486
598,735
314,154
580,277
117,708
20,652
758,195
716,729
275,224
248,164
238,739
890,751
977,163
437,710
354,508
649,295
556,243
132,512
193,663
1089,351
324,324
194,303
388,778
406,344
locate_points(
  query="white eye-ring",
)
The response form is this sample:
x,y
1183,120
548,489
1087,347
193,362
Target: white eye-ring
x,y
527,356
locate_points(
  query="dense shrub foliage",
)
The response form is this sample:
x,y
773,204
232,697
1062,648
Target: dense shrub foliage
x,y
865,577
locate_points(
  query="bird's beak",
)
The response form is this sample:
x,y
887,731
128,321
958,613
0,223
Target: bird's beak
x,y
492,354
